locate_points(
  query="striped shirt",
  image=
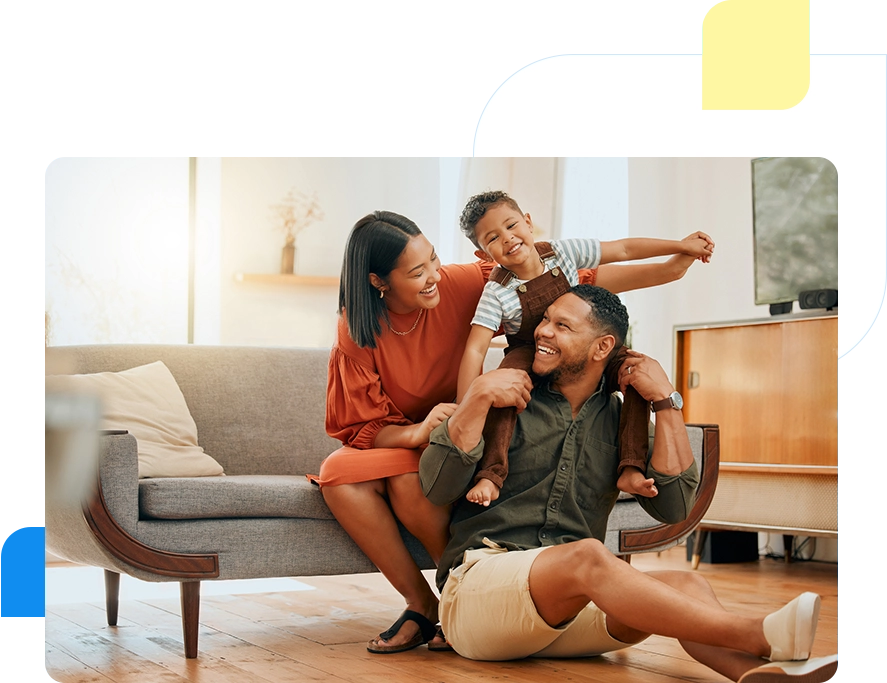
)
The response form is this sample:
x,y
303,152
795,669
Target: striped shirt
x,y
500,305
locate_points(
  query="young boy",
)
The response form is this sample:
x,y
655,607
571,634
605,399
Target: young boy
x,y
529,277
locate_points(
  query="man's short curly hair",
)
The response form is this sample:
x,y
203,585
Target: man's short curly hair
x,y
607,313
477,206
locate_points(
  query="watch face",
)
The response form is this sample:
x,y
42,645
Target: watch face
x,y
677,400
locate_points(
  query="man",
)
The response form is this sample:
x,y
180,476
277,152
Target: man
x,y
528,575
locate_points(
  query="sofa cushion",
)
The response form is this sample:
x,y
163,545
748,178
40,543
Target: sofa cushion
x,y
245,495
147,402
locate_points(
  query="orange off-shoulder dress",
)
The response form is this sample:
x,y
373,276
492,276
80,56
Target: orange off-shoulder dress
x,y
399,381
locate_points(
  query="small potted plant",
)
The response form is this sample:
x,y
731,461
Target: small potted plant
x,y
295,213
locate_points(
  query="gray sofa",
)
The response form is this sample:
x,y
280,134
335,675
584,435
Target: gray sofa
x,y
260,413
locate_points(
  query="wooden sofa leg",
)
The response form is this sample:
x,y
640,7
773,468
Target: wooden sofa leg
x,y
190,616
698,542
112,596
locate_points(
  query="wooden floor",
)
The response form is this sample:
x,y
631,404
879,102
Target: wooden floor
x,y
320,635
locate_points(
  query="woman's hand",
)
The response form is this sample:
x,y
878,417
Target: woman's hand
x,y
436,416
414,435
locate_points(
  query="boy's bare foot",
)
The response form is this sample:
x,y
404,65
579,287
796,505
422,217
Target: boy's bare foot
x,y
632,480
485,492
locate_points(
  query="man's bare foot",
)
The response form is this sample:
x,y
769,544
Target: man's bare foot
x,y
483,492
632,480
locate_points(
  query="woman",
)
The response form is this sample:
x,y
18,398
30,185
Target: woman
x,y
404,320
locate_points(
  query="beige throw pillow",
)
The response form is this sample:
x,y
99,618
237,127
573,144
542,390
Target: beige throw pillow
x,y
148,403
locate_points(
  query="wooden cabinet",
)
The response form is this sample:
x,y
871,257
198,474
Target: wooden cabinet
x,y
772,387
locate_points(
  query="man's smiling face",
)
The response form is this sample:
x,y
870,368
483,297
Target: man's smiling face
x,y
564,339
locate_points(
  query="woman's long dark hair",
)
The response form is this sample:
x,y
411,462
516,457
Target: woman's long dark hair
x,y
374,246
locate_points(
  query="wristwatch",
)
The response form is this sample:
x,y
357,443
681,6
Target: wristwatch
x,y
673,400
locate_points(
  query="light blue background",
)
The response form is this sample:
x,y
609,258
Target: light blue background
x,y
214,77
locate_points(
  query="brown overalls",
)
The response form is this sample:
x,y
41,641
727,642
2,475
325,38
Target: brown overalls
x,y
535,296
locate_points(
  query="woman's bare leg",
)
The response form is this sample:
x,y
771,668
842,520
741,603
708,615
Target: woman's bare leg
x,y
363,511
429,523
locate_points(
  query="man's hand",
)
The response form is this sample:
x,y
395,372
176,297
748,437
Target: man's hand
x,y
645,375
504,388
500,388
671,448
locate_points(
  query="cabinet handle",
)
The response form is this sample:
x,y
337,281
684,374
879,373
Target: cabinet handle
x,y
692,380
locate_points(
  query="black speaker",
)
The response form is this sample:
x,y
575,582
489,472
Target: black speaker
x,y
720,547
818,298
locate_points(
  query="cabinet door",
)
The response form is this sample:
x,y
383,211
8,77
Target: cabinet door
x,y
810,376
772,389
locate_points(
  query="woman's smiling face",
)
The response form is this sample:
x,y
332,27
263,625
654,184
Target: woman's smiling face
x,y
412,284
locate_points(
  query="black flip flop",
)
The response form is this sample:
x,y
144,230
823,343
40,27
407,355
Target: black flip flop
x,y
443,647
427,631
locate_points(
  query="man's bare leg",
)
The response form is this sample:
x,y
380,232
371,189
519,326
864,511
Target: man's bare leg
x,y
727,662
564,578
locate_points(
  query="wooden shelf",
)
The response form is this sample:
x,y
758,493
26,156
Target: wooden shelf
x,y
281,279
756,468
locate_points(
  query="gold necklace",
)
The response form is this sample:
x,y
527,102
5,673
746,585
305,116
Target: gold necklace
x,y
402,334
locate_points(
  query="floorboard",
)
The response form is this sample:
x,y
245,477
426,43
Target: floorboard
x,y
321,634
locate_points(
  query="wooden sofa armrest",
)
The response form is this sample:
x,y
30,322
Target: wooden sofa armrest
x,y
122,545
640,540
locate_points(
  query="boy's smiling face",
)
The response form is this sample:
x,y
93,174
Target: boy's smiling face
x,y
506,237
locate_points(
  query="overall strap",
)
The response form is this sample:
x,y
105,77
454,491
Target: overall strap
x,y
503,276
545,250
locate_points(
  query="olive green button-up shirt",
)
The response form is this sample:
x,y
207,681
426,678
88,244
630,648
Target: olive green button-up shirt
x,y
561,483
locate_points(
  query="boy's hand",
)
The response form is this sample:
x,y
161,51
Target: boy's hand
x,y
700,246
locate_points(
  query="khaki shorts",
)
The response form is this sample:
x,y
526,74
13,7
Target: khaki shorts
x,y
487,612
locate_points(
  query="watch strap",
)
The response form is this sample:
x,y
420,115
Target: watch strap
x,y
666,402
673,400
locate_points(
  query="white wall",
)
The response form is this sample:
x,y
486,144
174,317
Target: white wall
x,y
531,182
116,266
671,198
207,251
347,189
117,251
593,198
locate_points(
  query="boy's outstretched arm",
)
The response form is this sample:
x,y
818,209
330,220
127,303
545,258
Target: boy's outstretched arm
x,y
699,245
473,358
624,278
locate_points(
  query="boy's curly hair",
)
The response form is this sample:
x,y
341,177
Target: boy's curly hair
x,y
477,206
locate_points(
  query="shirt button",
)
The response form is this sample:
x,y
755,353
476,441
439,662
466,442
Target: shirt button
x,y
563,468
543,535
554,506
